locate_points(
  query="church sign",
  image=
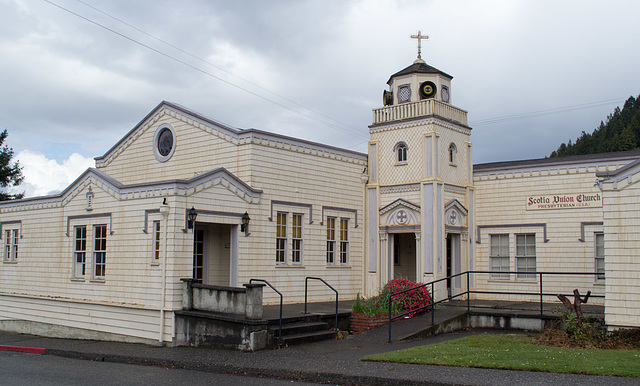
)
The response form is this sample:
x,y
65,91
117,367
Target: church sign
x,y
564,201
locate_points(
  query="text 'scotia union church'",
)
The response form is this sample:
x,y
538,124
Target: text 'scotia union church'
x,y
105,258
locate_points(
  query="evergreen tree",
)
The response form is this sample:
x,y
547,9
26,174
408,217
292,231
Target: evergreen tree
x,y
10,174
619,132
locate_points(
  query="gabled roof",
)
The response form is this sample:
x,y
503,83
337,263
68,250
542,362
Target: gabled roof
x,y
231,132
552,161
420,68
456,204
397,203
219,176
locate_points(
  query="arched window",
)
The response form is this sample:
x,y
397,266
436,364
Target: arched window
x,y
401,152
453,150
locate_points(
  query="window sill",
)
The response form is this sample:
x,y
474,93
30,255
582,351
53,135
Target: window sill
x,y
289,266
599,282
454,165
97,281
339,266
401,163
155,264
9,262
78,279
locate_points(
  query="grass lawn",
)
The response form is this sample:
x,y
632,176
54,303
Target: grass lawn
x,y
517,352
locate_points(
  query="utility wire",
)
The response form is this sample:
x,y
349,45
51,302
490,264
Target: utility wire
x,y
557,110
357,131
354,131
307,115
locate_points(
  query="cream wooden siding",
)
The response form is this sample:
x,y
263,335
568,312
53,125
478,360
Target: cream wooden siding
x,y
198,149
310,177
622,243
501,199
100,318
44,271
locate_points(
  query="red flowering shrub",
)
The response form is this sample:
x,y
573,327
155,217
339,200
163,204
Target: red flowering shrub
x,y
410,300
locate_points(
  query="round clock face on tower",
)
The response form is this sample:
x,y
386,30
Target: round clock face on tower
x,y
428,90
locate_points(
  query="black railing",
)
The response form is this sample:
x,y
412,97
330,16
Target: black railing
x,y
499,275
280,340
306,284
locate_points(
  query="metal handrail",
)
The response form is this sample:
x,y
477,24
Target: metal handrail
x,y
280,340
469,291
306,283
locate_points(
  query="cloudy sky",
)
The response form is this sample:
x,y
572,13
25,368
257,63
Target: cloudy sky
x,y
75,76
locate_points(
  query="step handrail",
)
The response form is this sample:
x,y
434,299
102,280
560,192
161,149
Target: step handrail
x,y
280,340
469,291
306,283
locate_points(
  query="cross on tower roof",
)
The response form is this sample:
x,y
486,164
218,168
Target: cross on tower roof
x,y
419,36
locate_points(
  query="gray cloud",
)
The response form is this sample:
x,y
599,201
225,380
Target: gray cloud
x,y
70,86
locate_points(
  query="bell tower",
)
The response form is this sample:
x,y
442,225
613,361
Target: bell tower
x,y
420,192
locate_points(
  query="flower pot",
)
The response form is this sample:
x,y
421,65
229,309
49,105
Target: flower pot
x,y
360,322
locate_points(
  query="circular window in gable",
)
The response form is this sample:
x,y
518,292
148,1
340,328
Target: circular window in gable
x,y
164,143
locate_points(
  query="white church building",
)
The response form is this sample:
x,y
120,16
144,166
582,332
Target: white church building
x,y
106,257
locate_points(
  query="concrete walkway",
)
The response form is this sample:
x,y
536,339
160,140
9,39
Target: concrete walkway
x,y
333,361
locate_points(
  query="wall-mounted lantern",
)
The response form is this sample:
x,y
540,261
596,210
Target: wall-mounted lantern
x,y
192,215
245,223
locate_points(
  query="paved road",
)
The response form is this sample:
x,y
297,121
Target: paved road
x,y
46,370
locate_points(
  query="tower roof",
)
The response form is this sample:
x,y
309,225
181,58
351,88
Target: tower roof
x,y
419,67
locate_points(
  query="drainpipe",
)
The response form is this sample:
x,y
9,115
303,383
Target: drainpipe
x,y
164,212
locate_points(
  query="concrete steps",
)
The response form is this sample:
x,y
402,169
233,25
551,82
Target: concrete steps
x,y
299,332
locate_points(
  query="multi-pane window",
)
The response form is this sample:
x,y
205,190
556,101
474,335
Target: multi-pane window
x,y
526,255
401,153
344,241
198,255
281,238
99,251
331,240
599,238
11,237
79,251
499,256
156,241
296,244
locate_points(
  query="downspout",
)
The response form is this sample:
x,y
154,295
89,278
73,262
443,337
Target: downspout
x,y
164,212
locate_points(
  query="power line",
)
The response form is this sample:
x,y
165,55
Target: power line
x,y
540,113
355,131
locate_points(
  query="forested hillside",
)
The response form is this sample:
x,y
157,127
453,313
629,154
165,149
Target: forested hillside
x,y
620,132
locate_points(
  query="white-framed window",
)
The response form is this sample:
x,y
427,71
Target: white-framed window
x,y
499,256
11,237
401,153
331,240
156,241
296,239
344,241
79,251
453,151
99,251
599,252
525,255
281,238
